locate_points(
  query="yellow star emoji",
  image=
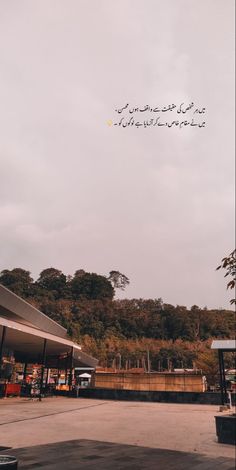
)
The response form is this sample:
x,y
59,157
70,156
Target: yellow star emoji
x,y
109,123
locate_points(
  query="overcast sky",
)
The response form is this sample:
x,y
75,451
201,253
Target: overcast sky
x,y
75,193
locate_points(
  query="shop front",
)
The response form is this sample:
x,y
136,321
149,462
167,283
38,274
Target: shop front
x,y
36,355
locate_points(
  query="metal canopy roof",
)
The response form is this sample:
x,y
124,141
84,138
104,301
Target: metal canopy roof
x,y
224,345
37,333
14,308
27,344
26,330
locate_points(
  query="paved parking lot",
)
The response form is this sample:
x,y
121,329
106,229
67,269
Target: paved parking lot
x,y
173,427
97,455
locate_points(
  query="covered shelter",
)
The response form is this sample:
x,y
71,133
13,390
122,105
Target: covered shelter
x,y
84,379
223,346
33,337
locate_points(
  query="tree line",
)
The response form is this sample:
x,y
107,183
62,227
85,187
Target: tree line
x,y
123,330
85,305
53,284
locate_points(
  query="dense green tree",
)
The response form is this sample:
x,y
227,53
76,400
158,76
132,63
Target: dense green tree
x,y
53,280
18,280
91,286
79,273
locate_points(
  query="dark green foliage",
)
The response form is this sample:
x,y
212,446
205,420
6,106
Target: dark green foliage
x,y
134,319
229,264
86,300
18,281
91,286
54,281
121,331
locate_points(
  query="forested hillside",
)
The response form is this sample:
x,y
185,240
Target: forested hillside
x,y
121,332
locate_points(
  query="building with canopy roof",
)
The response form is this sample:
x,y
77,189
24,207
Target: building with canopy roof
x,y
34,338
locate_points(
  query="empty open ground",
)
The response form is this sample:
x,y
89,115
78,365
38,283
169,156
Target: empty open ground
x,y
188,428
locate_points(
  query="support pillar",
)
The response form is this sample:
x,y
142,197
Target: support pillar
x,y
221,379
48,375
43,367
71,369
2,344
223,390
224,379
4,330
66,372
58,371
25,371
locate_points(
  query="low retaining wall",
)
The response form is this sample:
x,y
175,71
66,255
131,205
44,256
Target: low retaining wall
x,y
203,398
152,382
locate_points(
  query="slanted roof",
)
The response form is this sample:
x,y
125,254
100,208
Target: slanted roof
x,y
19,327
224,345
14,308
81,359
26,330
27,344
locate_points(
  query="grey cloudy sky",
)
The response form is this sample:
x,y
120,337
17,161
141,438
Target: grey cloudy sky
x,y
157,203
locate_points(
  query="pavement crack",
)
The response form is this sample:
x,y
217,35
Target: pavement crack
x,y
52,414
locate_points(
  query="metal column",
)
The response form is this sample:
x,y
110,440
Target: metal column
x,y
58,370
25,371
224,379
223,390
43,367
71,369
66,369
1,346
48,373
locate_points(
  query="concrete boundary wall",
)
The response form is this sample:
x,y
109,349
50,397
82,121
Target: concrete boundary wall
x,y
203,398
155,381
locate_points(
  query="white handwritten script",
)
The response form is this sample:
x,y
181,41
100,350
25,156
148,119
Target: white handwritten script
x,y
170,116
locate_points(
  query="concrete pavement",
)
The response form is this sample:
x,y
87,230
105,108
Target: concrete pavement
x,y
190,428
97,455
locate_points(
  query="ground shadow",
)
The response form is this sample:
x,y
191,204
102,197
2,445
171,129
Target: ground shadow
x,y
89,454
